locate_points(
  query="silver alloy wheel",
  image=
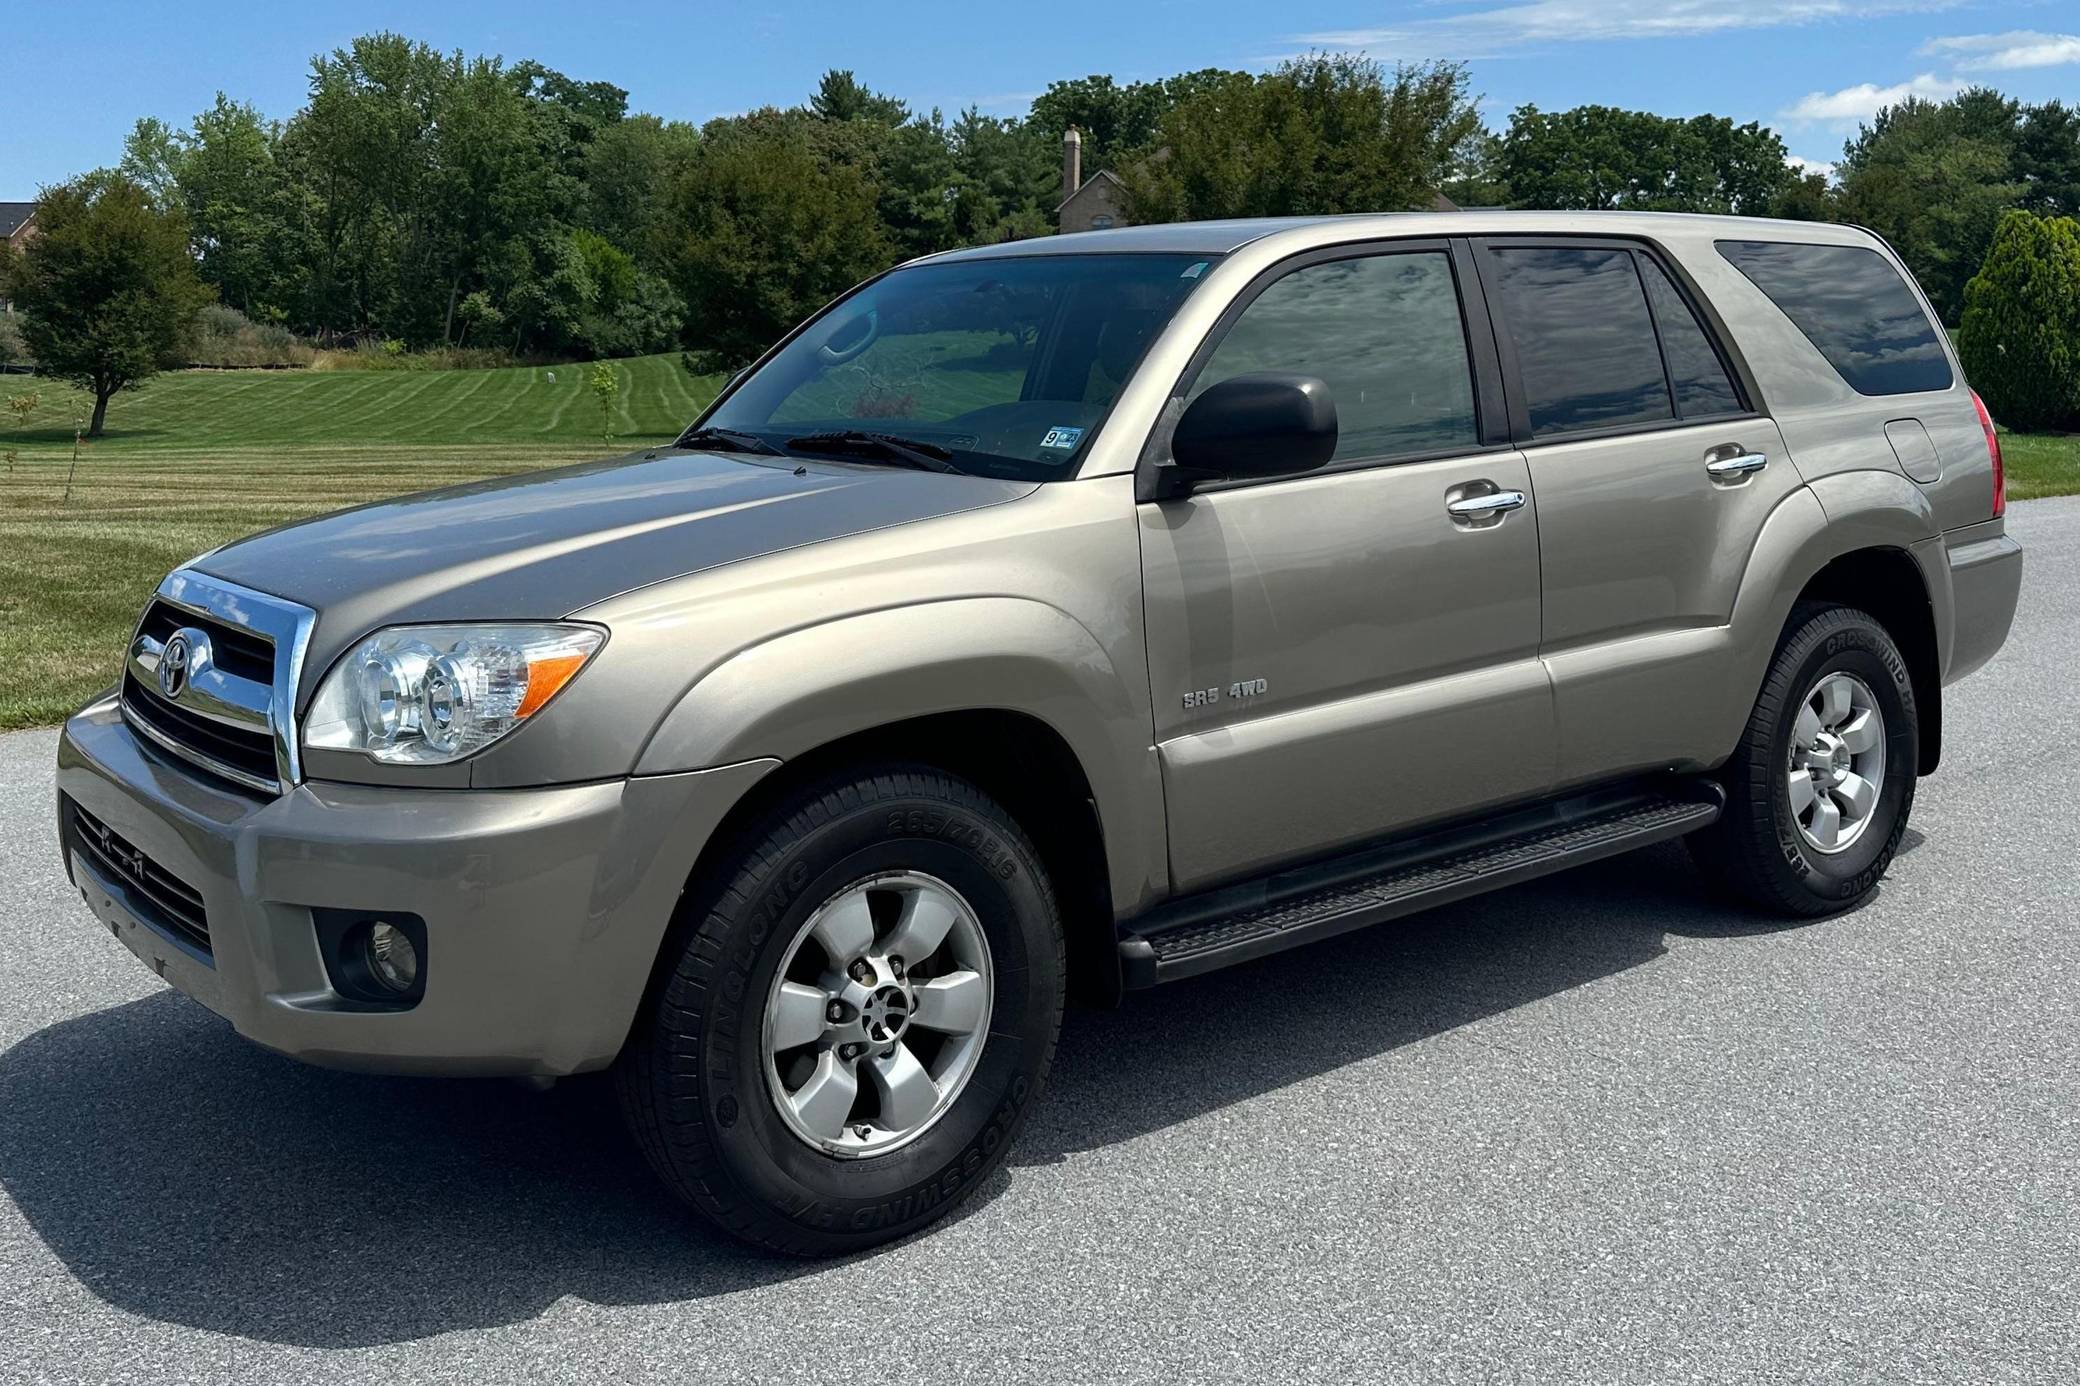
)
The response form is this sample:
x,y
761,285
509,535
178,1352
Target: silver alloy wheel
x,y
1837,763
878,1014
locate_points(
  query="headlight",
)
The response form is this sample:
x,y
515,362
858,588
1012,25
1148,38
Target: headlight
x,y
424,695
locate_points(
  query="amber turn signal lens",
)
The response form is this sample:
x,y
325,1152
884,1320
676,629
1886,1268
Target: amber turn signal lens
x,y
545,678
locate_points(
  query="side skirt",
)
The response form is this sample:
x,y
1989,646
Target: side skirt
x,y
1253,919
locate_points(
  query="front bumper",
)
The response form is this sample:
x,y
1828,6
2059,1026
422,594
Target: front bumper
x,y
544,908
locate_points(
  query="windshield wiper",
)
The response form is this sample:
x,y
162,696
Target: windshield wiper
x,y
727,440
907,452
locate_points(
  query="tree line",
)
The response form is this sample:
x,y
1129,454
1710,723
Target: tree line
x,y
434,200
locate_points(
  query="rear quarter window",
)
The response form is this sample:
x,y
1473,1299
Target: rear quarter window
x,y
1853,306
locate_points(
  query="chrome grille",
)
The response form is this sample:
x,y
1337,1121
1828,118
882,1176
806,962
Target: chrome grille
x,y
238,650
244,755
211,677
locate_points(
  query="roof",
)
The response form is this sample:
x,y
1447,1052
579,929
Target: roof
x,y
1223,237
1102,176
12,215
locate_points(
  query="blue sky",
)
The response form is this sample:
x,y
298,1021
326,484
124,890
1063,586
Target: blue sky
x,y
73,77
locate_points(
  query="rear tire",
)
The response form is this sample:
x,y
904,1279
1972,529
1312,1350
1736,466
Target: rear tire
x,y
797,1079
1819,789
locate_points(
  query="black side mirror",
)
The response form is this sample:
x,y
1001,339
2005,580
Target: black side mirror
x,y
1268,423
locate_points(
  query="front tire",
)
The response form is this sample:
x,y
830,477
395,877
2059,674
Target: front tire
x,y
1818,792
855,1016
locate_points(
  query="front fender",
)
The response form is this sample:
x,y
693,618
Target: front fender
x,y
806,688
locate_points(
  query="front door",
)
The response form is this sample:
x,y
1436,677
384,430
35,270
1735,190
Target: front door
x,y
1344,653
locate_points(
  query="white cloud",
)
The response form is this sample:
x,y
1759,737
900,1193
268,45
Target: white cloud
x,y
1805,166
2019,48
1866,99
1536,21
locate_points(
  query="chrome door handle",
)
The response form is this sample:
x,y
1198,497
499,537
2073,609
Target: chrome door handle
x,y
1737,466
1495,503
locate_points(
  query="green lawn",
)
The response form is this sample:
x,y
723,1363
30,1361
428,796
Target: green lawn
x,y
2041,464
199,457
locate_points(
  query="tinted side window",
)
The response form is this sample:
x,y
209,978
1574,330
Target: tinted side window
x,y
1702,385
1584,341
1384,332
1853,306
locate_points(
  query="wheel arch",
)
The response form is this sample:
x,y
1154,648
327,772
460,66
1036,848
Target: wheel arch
x,y
1016,759
1866,539
1010,693
1887,584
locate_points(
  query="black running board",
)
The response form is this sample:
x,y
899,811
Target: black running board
x,y
1200,933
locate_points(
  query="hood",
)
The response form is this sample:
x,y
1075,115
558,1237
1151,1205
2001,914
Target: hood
x,y
545,544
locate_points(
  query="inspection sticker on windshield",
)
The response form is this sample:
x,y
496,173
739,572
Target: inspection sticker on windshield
x,y
1062,438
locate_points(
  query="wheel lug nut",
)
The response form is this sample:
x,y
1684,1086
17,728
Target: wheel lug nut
x,y
850,1051
895,965
861,972
834,1012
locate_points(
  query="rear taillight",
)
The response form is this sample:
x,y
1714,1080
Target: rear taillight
x,y
1993,451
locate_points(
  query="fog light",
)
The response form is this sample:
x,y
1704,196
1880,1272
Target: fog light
x,y
391,957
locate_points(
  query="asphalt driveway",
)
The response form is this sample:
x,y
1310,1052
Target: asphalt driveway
x,y
1600,1129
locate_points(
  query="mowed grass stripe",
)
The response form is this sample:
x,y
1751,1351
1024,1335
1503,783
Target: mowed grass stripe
x,y
197,411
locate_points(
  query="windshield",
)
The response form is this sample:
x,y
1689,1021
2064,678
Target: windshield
x,y
1003,366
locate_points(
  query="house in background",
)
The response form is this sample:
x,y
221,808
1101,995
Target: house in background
x,y
1098,205
17,225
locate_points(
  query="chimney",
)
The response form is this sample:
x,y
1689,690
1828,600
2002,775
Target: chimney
x,y
1072,163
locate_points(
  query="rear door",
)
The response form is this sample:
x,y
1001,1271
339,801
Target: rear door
x,y
1654,474
1342,653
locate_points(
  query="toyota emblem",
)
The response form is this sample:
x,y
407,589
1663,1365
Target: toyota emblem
x,y
185,655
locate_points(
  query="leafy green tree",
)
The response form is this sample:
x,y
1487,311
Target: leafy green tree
x,y
232,193
565,118
1933,179
1118,123
768,230
1600,158
1475,178
629,311
841,96
1808,197
631,167
105,292
547,290
1324,133
2047,159
649,319
360,149
151,159
1008,176
604,384
479,314
2020,337
13,350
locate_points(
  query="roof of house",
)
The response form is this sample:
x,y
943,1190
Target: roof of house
x,y
12,215
1102,176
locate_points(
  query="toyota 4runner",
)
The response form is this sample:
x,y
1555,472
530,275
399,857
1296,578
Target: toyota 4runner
x,y
1054,619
